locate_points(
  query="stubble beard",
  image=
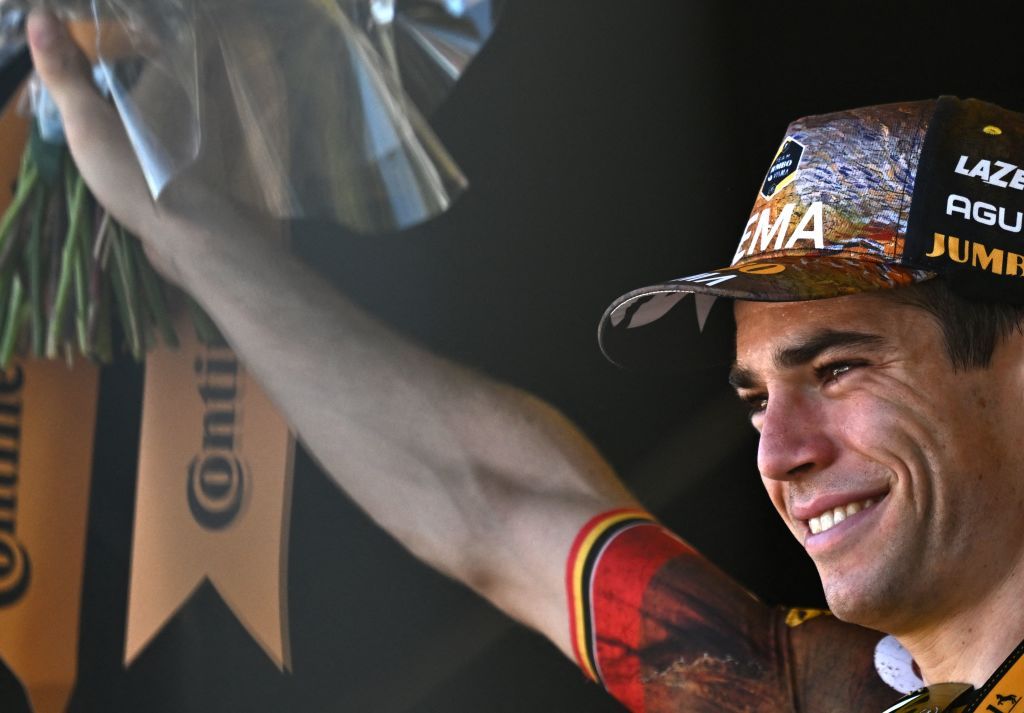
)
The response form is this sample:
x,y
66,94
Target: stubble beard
x,y
877,595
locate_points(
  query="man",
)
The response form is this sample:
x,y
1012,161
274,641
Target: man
x,y
888,442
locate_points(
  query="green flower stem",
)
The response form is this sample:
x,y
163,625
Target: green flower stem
x,y
68,271
12,322
82,262
53,233
101,246
55,329
28,176
9,233
81,280
125,289
34,265
6,285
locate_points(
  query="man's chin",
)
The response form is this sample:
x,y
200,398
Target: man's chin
x,y
860,602
850,610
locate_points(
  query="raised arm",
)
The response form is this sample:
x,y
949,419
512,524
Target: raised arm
x,y
481,480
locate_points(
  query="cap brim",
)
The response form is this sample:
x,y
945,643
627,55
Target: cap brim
x,y
785,279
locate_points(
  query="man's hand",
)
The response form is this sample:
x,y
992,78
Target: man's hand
x,y
95,134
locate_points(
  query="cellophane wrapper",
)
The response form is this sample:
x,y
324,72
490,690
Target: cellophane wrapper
x,y
298,108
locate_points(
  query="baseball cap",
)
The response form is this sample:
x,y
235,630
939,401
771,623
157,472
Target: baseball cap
x,y
865,199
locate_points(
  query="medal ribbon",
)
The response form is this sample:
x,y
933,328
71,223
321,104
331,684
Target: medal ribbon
x,y
1002,693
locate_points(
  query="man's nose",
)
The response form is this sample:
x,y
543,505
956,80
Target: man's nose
x,y
795,437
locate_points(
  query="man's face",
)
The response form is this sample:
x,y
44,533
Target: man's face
x,y
900,476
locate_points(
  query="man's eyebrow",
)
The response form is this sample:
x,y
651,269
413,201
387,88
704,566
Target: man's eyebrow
x,y
809,348
805,351
741,378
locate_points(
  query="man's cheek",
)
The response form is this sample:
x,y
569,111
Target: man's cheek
x,y
868,425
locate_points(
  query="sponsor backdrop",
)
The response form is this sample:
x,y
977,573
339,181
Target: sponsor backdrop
x,y
164,544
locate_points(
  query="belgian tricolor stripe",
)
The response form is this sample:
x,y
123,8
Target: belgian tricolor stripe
x,y
583,558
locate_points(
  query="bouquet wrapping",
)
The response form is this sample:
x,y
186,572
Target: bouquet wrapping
x,y
296,108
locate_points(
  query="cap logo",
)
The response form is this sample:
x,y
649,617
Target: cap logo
x,y
707,278
984,213
995,173
761,234
979,256
762,268
970,220
784,167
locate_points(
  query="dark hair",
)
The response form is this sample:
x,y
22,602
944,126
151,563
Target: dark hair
x,y
972,328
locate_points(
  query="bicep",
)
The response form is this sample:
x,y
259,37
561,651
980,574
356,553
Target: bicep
x,y
536,483
523,568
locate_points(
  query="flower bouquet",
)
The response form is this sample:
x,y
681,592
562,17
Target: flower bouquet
x,y
297,108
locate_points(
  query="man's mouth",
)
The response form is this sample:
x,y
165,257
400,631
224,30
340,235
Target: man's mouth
x,y
828,519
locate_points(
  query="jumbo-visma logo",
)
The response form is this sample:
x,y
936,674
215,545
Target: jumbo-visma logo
x,y
784,167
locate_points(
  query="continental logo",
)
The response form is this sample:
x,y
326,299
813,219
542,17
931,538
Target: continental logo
x,y
977,255
762,234
47,428
216,478
15,565
214,489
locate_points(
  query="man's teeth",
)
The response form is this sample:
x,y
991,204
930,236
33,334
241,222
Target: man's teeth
x,y
827,520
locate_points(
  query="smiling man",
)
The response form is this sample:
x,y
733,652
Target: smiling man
x,y
876,346
896,471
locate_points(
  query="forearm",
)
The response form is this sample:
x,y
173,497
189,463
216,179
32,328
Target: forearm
x,y
440,456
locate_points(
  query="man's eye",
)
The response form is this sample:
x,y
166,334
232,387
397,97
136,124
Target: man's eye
x,y
829,373
834,372
757,405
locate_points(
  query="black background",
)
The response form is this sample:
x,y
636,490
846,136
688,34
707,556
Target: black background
x,y
609,145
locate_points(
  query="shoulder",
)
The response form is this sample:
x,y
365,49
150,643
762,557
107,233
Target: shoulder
x,y
664,630
836,661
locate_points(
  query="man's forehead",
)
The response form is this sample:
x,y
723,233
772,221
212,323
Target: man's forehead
x,y
786,334
783,319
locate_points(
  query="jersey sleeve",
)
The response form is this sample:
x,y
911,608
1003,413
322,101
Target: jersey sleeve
x,y
664,631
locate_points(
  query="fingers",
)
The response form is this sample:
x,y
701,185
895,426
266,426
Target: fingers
x,y
60,64
94,132
65,71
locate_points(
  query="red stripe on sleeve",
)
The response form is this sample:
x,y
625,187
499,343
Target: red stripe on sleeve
x,y
577,578
620,579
